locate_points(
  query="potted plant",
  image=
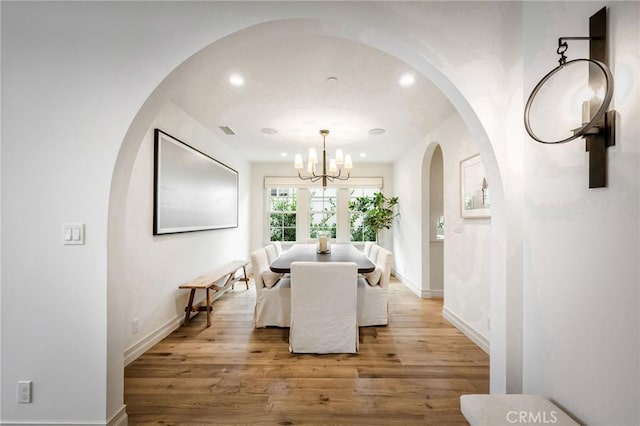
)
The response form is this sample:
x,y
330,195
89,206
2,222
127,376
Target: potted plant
x,y
378,211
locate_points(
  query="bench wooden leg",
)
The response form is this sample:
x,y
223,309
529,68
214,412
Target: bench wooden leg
x,y
208,308
245,279
189,307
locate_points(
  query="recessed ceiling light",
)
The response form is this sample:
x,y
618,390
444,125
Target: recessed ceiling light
x,y
332,80
363,154
376,131
236,80
269,131
407,80
283,154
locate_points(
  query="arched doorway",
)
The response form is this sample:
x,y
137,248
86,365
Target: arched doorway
x,y
162,95
436,224
433,222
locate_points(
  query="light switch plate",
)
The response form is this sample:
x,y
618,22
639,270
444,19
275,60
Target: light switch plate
x,y
73,233
24,391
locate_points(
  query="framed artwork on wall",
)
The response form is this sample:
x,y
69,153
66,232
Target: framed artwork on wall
x,y
474,189
192,191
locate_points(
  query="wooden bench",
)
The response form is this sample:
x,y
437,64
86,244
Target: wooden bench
x,y
209,283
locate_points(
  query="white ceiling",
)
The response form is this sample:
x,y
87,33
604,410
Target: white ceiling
x,y
286,89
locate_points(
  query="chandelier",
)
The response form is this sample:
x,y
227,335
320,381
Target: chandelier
x,y
335,165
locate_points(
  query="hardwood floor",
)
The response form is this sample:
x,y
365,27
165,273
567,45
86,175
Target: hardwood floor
x,y
412,371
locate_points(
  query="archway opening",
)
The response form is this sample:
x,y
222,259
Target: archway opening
x,y
436,224
161,97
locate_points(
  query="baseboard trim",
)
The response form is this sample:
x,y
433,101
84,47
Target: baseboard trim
x,y
120,418
52,423
466,329
411,286
425,294
434,294
143,345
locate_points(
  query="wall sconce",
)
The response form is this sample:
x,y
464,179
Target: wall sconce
x,y
597,128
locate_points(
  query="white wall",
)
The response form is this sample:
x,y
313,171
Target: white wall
x,y
408,245
467,241
581,253
154,266
259,171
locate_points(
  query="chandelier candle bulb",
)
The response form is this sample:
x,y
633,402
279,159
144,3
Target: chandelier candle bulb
x,y
339,157
313,156
332,165
298,162
348,164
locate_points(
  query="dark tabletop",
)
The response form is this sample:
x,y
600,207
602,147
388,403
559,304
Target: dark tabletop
x,y
307,253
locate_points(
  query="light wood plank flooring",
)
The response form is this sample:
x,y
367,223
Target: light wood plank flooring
x,y
412,371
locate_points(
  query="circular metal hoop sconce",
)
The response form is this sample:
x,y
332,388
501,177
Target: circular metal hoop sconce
x,y
597,117
598,130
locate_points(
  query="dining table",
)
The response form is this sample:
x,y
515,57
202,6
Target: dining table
x,y
309,253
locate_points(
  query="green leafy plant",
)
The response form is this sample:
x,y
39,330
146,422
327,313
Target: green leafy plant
x,y
326,221
378,211
283,219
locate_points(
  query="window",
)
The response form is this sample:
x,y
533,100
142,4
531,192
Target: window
x,y
282,214
358,231
322,211
295,210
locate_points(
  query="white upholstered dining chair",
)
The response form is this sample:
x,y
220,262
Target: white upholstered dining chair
x,y
373,291
273,293
272,253
278,246
323,307
367,247
373,252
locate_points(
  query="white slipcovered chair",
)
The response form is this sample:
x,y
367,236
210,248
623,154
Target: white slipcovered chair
x,y
273,304
373,291
278,246
373,252
367,247
272,254
323,307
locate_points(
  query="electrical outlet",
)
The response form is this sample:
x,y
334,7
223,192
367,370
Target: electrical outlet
x,y
24,391
134,325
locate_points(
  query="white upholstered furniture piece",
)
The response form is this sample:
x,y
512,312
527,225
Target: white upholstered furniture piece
x,y
373,297
273,305
272,253
373,252
278,246
367,247
323,307
507,410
